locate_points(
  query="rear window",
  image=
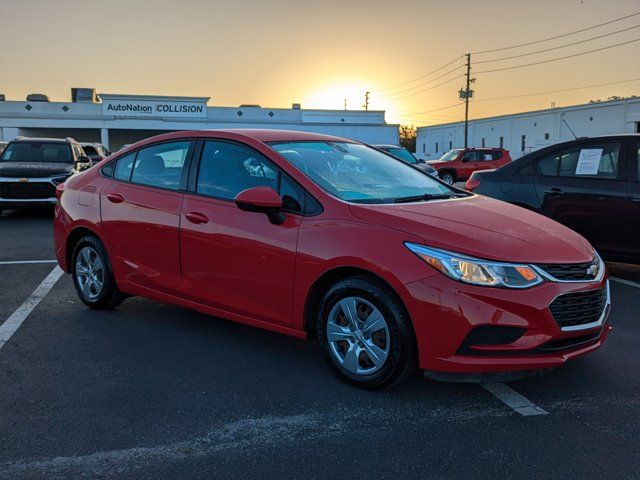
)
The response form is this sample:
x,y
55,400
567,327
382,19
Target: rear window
x,y
90,151
37,152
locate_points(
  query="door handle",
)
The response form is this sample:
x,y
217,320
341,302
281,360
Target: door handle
x,y
197,218
115,198
554,192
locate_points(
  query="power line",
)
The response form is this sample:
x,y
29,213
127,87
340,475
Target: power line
x,y
559,47
557,36
422,84
559,91
426,89
421,76
559,58
439,109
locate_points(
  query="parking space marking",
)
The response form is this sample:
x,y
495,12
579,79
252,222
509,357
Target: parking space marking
x,y
514,400
625,282
26,262
11,325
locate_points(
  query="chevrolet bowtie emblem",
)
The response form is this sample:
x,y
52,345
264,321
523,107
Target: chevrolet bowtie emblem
x,y
23,180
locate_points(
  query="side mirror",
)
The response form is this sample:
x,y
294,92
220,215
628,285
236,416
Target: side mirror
x,y
83,163
263,200
422,160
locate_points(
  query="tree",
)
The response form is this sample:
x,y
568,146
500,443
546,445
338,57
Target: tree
x,y
408,137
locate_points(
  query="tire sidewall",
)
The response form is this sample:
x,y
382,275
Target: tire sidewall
x,y
396,324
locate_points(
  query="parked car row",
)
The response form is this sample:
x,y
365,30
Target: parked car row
x,y
591,185
458,164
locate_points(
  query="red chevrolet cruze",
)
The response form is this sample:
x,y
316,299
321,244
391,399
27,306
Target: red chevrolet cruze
x,y
317,236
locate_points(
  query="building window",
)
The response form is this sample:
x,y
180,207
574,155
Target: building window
x,y
501,142
523,143
436,147
546,136
424,147
483,142
451,143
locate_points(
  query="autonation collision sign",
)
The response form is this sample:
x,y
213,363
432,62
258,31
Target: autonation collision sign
x,y
149,108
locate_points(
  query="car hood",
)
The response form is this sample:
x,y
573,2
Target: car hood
x,y
34,169
483,227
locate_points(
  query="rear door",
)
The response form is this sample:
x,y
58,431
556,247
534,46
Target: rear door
x,y
469,163
140,208
234,260
583,186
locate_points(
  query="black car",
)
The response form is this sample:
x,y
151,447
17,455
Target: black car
x,y
32,168
407,157
95,151
591,185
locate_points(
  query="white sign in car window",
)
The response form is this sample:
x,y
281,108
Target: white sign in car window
x,y
589,161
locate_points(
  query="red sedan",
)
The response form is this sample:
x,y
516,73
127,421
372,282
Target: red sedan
x,y
317,236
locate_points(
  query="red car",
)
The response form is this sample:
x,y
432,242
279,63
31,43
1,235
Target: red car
x,y
457,165
317,236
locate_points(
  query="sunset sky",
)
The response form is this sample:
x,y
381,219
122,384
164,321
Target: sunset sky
x,y
276,52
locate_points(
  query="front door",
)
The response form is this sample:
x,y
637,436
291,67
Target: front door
x,y
583,187
141,215
234,260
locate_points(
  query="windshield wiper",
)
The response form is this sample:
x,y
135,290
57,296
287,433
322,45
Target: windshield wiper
x,y
424,198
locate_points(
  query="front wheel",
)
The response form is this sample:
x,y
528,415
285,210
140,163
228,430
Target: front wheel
x,y
447,177
366,334
92,275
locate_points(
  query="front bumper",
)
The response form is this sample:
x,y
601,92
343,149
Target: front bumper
x,y
446,312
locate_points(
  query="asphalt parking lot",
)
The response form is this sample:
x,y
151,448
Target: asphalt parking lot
x,y
156,391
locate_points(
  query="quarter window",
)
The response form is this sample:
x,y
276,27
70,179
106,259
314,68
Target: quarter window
x,y
548,165
161,165
124,166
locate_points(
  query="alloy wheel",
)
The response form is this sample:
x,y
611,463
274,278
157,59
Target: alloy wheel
x,y
90,273
358,336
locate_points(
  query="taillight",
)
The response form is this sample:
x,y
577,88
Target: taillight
x,y
472,184
59,190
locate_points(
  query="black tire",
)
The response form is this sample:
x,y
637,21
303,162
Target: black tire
x,y
109,296
448,175
402,356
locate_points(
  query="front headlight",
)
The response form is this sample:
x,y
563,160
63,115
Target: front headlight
x,y
476,271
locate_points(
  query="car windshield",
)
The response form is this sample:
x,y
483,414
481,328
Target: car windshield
x,y
450,155
90,151
360,174
37,152
403,154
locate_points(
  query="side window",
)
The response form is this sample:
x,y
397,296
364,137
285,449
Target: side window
x,y
161,165
471,156
496,154
124,166
548,165
595,161
227,169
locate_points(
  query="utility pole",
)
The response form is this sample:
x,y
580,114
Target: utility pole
x,y
466,103
366,100
345,103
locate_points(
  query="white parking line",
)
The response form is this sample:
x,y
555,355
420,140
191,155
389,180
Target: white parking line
x,y
625,282
11,325
21,262
513,399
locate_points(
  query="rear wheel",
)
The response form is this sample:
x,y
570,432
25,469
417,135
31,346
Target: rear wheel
x,y
92,275
366,334
448,177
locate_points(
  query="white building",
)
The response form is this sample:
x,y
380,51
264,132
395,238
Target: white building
x,y
522,133
116,120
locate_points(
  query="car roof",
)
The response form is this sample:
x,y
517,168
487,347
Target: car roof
x,y
42,139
